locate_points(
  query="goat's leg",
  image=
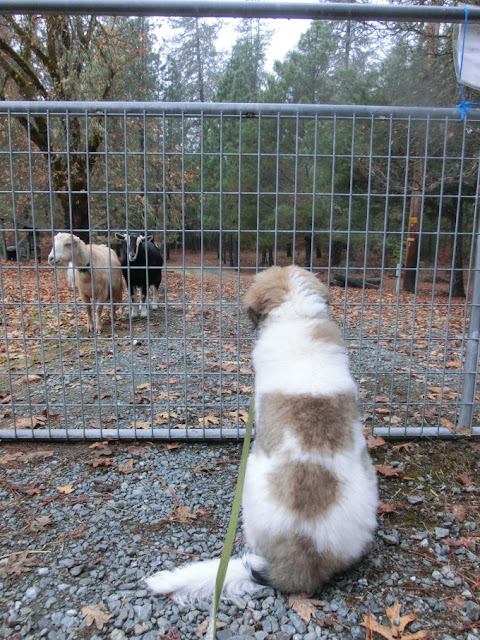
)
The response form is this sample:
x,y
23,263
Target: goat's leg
x,y
89,317
155,297
98,318
133,299
143,302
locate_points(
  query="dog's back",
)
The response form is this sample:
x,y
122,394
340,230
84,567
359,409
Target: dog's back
x,y
310,496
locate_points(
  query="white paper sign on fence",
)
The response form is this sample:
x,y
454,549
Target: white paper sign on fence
x,y
470,68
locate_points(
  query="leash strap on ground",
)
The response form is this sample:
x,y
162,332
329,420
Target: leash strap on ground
x,y
232,525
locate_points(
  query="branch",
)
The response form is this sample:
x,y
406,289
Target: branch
x,y
24,36
16,76
52,60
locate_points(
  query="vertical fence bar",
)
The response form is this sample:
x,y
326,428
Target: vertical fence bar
x,y
332,202
435,266
166,277
222,156
472,351
277,183
21,305
314,193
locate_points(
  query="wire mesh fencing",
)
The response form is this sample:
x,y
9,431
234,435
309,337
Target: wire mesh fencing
x,y
380,203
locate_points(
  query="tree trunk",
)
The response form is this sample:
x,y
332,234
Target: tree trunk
x,y
270,257
411,254
201,88
308,250
289,250
458,289
230,248
348,43
70,180
337,250
78,219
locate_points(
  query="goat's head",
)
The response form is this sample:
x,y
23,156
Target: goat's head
x,y
131,244
63,249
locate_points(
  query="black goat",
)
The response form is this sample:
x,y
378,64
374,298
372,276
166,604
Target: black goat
x,y
142,267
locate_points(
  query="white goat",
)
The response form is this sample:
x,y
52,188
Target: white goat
x,y
104,267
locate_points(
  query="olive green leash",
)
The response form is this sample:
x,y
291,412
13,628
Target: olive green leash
x,y
232,525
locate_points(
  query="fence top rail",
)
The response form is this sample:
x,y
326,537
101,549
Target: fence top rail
x,y
244,9
246,110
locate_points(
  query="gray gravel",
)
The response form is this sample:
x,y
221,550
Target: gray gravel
x,y
81,526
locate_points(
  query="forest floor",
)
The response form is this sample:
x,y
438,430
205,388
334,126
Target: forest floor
x,y
188,365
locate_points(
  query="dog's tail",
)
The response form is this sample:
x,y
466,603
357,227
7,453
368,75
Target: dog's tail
x,y
196,581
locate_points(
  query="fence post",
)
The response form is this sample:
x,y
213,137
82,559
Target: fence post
x,y
467,400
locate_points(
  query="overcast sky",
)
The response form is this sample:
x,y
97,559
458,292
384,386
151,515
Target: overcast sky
x,y
286,34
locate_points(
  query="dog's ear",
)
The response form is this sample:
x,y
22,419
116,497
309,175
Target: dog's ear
x,y
268,291
254,317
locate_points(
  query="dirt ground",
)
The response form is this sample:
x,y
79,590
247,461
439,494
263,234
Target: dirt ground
x,y
189,362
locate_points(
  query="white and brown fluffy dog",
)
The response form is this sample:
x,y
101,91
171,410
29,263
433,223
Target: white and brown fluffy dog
x,y
310,497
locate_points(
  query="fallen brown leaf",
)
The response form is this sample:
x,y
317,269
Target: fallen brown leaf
x,y
10,457
127,467
201,630
242,416
66,489
453,364
17,564
389,507
398,624
305,607
32,378
459,512
394,472
97,615
464,480
408,447
448,424
39,524
35,456
100,462
375,441
28,489
98,446
210,418
453,542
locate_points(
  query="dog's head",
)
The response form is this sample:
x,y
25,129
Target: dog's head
x,y
277,285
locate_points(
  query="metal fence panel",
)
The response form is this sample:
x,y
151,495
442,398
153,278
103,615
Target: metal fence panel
x,y
227,190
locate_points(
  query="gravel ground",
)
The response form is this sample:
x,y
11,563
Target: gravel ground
x,y
81,525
